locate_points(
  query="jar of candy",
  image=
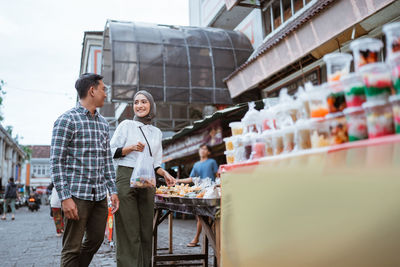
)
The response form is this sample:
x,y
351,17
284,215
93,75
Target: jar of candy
x,y
365,51
230,156
336,100
258,147
356,123
337,65
395,101
288,139
247,144
377,80
277,141
303,134
337,128
317,98
379,118
354,88
392,33
319,133
394,64
229,143
236,127
269,148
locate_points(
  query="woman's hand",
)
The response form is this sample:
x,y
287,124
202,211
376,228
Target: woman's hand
x,y
169,179
139,147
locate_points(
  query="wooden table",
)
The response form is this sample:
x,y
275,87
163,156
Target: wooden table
x,y
208,216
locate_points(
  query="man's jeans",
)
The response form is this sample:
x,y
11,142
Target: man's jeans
x,y
91,225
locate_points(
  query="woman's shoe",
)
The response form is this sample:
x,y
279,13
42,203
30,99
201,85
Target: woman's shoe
x,y
3,218
13,218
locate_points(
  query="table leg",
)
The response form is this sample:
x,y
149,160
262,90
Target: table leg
x,y
205,249
170,224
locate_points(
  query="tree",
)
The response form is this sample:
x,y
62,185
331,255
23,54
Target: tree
x,y
2,93
28,152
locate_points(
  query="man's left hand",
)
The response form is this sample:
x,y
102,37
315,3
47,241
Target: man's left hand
x,y
114,203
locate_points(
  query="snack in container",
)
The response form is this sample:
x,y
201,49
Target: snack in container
x,y
236,127
365,51
336,99
356,123
337,128
337,65
318,104
395,101
230,156
258,147
277,141
229,143
267,116
269,148
303,134
286,107
247,145
354,88
392,33
394,64
377,80
288,139
319,133
251,120
379,118
302,98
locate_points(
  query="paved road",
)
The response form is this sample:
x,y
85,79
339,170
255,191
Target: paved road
x,y
31,240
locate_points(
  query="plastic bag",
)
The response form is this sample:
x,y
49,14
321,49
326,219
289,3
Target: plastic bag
x,y
143,175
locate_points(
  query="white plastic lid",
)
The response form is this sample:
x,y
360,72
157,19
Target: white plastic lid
x,y
352,110
252,116
334,115
375,103
236,124
303,124
366,43
337,57
394,98
391,26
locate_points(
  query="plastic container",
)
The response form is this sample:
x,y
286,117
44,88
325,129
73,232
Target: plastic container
x,y
303,134
356,123
269,149
230,157
251,120
267,117
337,65
379,118
277,141
258,147
392,33
236,127
287,107
288,134
319,133
394,64
318,104
354,89
337,128
336,100
395,101
229,143
377,80
302,98
247,145
365,51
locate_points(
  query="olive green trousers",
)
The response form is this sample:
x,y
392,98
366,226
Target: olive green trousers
x,y
133,222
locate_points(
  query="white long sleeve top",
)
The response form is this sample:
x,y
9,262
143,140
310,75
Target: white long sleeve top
x,y
128,133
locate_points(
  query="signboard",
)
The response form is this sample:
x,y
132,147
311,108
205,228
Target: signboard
x,y
94,61
212,135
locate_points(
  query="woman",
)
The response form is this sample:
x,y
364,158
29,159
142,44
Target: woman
x,y
134,219
55,205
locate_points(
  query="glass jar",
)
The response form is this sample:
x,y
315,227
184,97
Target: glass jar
x,y
365,51
354,89
303,134
356,123
319,133
379,118
337,65
395,101
377,80
236,127
337,128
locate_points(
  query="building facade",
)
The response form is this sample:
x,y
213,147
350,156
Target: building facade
x,y
39,175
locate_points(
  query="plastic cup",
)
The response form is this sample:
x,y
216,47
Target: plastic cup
x,y
303,134
318,104
394,64
354,88
395,101
277,141
392,33
247,145
319,133
236,127
337,65
269,149
230,157
337,128
258,148
365,51
288,134
336,100
377,80
229,143
356,123
379,118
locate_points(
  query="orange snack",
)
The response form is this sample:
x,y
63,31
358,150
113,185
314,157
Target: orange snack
x,y
319,113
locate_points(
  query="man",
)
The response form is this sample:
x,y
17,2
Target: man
x,y
82,171
10,196
205,168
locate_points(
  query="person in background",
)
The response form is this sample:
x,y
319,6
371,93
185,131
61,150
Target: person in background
x,y
10,196
204,168
55,205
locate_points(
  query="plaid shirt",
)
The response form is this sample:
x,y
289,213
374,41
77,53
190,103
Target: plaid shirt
x,y
80,157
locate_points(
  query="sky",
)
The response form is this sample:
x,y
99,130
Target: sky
x,y
40,53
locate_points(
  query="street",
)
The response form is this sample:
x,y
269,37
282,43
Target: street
x,y
31,240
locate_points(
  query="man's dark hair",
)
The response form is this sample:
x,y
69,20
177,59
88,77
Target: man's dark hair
x,y
207,146
11,180
84,83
